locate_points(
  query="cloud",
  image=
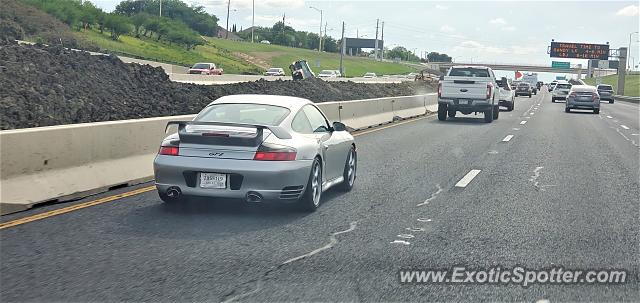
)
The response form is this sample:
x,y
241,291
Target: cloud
x,y
247,4
499,21
629,11
479,47
447,29
442,7
298,24
509,28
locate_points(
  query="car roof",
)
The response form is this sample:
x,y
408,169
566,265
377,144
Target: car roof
x,y
470,66
292,103
583,88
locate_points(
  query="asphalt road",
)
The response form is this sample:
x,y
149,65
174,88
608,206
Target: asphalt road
x,y
562,191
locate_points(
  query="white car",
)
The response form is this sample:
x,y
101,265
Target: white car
x,y
560,91
507,95
338,73
328,73
265,42
370,75
274,71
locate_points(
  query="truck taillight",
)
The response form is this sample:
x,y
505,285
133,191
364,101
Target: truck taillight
x,y
439,89
489,88
169,150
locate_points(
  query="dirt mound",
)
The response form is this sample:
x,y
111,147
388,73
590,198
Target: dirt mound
x,y
44,86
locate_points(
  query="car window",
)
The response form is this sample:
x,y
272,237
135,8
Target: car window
x,y
469,72
316,119
563,86
301,123
243,113
201,66
605,87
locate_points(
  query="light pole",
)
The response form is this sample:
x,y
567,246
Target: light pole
x,y
226,34
253,18
320,33
160,8
629,49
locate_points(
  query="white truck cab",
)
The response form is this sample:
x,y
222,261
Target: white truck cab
x,y
469,89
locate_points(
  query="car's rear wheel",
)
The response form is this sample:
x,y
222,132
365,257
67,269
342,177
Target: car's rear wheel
x,y
610,101
310,200
442,112
529,95
567,110
496,112
553,99
452,113
488,115
596,111
350,168
512,105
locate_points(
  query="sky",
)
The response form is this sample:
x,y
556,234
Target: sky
x,y
468,31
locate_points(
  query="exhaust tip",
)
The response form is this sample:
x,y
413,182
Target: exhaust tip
x,y
254,197
174,192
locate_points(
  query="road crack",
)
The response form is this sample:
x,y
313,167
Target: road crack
x,y
433,196
259,282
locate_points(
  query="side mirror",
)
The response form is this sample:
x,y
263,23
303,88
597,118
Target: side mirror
x,y
339,126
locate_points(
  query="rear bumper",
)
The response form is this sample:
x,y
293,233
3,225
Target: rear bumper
x,y
268,178
560,97
584,105
468,105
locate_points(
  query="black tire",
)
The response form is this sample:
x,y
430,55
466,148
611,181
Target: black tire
x,y
442,112
488,115
596,111
496,112
529,95
310,200
567,110
349,179
610,101
451,113
512,106
553,100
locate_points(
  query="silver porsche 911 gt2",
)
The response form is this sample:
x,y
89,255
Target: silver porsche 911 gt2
x,y
256,148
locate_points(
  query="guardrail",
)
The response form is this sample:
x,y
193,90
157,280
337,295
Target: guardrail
x,y
626,99
66,162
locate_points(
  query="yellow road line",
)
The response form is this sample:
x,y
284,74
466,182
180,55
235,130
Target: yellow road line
x,y
71,208
138,191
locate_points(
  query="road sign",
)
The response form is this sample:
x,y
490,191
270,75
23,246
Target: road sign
x,y
561,77
579,50
560,64
603,64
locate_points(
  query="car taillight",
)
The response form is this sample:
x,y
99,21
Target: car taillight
x,y
594,96
169,150
573,95
439,89
489,87
274,152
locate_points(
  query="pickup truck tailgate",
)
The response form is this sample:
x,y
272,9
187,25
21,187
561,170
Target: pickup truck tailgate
x,y
464,88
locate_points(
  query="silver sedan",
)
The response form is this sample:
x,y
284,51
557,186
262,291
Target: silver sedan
x,y
256,148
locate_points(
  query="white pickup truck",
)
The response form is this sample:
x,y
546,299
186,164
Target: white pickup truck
x,y
469,89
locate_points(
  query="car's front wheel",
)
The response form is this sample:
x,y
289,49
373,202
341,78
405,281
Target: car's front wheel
x,y
350,168
310,200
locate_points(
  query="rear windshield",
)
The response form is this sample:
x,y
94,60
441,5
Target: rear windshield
x,y
201,66
523,84
274,70
244,113
563,86
605,87
369,74
327,72
469,72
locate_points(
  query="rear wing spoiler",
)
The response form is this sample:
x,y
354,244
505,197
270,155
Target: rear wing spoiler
x,y
208,138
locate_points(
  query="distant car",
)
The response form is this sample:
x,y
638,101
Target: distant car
x,y
327,73
552,85
507,95
412,75
338,73
205,69
256,148
265,42
370,75
539,84
582,97
523,89
605,92
274,71
560,91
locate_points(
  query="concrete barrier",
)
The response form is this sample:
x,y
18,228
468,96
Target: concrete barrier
x,y
70,161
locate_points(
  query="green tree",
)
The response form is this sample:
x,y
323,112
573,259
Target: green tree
x,y
138,21
117,25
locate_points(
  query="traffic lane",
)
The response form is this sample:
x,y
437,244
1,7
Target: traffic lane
x,y
502,218
363,266
622,113
131,243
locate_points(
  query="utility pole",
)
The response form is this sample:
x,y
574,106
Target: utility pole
x,y
253,18
160,8
375,47
325,30
343,47
382,47
320,33
226,35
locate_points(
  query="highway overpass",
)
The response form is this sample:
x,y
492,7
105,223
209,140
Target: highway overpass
x,y
515,67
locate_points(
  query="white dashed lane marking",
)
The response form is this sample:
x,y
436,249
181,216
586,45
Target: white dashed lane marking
x,y
468,178
624,126
523,122
609,117
507,138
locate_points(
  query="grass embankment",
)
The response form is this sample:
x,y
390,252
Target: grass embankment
x,y
631,85
240,57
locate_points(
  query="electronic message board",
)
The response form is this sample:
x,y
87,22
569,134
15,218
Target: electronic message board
x,y
579,50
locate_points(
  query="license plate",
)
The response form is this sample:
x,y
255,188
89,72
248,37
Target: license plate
x,y
213,180
463,102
